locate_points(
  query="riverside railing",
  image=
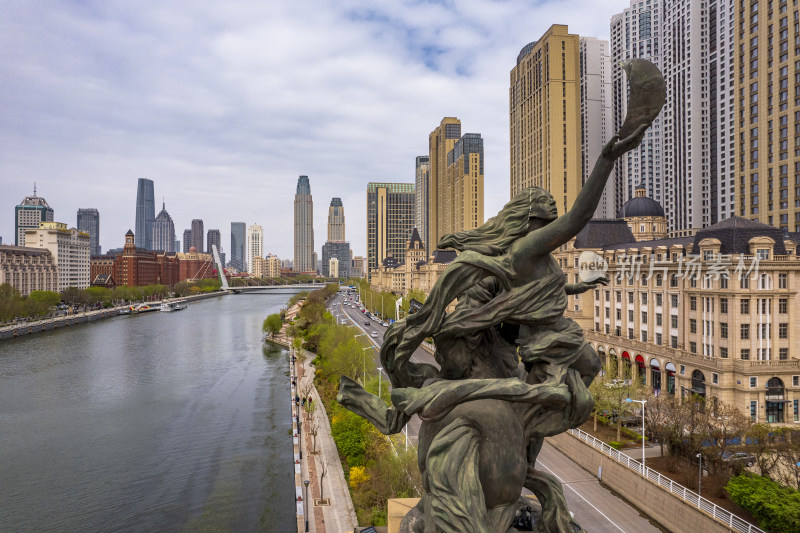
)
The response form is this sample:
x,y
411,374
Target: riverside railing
x,y
690,497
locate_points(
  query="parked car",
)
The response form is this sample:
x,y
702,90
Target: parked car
x,y
384,324
374,334
744,458
366,323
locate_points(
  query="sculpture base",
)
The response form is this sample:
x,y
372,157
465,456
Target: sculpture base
x,y
399,507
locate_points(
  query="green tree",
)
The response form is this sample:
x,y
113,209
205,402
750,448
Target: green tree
x,y
610,394
272,324
776,508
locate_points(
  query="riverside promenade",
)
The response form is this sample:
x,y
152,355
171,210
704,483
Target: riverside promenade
x,y
329,508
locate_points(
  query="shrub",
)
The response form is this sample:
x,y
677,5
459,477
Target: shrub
x,y
615,444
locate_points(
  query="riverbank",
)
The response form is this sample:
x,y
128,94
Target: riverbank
x,y
21,329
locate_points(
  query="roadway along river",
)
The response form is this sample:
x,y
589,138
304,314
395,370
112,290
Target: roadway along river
x,y
166,421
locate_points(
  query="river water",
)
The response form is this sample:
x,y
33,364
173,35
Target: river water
x,y
161,422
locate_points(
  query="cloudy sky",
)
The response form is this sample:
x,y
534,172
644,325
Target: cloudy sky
x,y
224,104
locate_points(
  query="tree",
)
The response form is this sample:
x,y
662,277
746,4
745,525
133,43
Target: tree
x,y
610,394
776,508
272,324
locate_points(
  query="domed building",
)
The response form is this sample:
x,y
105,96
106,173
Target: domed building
x,y
644,216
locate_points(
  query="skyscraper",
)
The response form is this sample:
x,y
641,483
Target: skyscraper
x,y
197,235
145,213
238,245
304,227
422,173
637,32
28,214
440,143
187,240
213,237
767,113
463,209
336,221
596,118
255,246
544,104
390,219
339,251
164,231
89,222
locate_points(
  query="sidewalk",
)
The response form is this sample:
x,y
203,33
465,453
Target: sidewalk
x,y
339,515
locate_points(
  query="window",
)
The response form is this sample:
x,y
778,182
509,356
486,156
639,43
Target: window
x,y
745,307
753,411
783,305
644,298
630,315
618,295
714,378
745,331
619,314
693,347
782,280
608,312
674,341
723,330
659,299
596,310
673,300
692,325
608,295
745,354
744,281
644,317
683,370
762,253
723,281
674,321
693,303
658,339
644,335
753,382
783,331
673,280
723,352
795,381
783,354
723,306
630,297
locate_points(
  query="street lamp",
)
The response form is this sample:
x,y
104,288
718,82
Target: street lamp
x,y
380,377
641,402
308,507
699,474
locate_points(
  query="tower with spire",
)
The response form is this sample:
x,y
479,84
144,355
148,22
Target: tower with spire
x,y
164,231
28,214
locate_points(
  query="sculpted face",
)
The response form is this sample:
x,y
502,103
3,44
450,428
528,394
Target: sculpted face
x,y
544,208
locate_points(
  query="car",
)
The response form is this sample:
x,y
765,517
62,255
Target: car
x,y
366,323
384,324
374,334
744,458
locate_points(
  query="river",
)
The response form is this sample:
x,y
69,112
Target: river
x,y
165,421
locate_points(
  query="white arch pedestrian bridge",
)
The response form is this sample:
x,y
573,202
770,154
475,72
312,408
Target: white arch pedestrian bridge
x,y
278,287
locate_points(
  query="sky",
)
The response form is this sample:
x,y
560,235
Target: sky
x,y
223,105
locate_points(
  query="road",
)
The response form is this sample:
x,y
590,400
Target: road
x,y
596,508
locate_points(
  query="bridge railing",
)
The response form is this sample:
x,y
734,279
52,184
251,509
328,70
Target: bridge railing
x,y
690,497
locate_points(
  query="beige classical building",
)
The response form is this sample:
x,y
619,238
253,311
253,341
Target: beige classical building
x,y
258,267
712,314
357,270
272,268
545,117
415,270
70,250
28,269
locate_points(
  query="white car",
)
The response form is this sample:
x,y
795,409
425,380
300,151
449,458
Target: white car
x,y
374,334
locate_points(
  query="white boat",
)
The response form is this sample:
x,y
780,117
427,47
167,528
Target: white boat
x,y
167,307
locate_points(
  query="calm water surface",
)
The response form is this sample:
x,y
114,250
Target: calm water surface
x,y
165,421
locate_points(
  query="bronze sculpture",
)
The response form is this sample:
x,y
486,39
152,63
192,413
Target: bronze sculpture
x,y
513,369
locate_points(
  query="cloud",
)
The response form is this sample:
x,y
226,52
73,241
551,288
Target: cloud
x,y
224,105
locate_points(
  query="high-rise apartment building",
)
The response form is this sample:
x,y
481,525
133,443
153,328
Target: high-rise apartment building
x,y
422,173
767,115
357,268
213,237
340,251
455,180
465,183
544,106
197,235
636,33
390,219
187,240
70,250
145,213
304,227
255,245
238,245
31,211
596,119
336,221
164,231
697,118
89,222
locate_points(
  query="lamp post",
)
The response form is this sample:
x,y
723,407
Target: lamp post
x,y
380,377
641,402
365,364
699,474
308,507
